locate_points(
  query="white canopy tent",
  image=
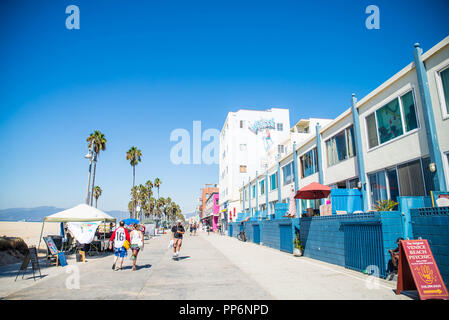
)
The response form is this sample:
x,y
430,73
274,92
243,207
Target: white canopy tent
x,y
79,213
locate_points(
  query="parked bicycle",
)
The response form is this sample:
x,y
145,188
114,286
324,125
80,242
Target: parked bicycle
x,y
241,236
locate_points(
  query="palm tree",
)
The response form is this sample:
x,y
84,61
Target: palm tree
x,y
134,200
134,156
97,194
98,141
157,184
142,197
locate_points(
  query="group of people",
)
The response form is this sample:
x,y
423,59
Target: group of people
x,y
122,239
193,227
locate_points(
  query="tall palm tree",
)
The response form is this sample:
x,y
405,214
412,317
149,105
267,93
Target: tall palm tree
x,y
142,197
98,141
97,194
134,200
157,184
134,156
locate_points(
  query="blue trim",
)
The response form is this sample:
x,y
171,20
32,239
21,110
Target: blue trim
x,y
249,195
243,209
295,175
431,133
279,183
257,192
319,155
266,193
359,152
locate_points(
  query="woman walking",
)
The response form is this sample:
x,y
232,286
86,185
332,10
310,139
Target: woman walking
x,y
136,243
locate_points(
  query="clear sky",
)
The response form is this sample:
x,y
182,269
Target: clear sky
x,y
136,70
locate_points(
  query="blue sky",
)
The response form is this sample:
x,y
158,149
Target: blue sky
x,y
136,70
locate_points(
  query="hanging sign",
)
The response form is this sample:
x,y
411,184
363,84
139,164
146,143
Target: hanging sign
x,y
418,270
84,232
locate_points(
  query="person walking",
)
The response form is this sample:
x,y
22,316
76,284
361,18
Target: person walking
x,y
176,235
118,238
137,242
208,229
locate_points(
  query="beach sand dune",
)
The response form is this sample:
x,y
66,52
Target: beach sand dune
x,y
29,231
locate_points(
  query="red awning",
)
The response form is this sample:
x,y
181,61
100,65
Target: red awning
x,y
313,191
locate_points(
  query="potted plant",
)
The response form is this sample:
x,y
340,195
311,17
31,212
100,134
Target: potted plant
x,y
298,249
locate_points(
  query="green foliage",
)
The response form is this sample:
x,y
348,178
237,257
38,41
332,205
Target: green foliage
x,y
385,205
297,242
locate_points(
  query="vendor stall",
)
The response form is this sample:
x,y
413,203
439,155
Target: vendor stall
x,y
82,220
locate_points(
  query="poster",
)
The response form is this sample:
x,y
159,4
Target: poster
x,y
84,232
417,260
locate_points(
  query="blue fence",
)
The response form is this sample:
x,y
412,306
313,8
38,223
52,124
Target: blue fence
x,y
348,200
323,238
433,224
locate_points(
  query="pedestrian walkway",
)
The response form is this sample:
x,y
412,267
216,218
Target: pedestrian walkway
x,y
288,277
209,267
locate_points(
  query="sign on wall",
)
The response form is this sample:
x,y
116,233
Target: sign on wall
x,y
418,270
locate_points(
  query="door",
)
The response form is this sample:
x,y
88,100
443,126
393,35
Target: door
x,y
256,233
286,238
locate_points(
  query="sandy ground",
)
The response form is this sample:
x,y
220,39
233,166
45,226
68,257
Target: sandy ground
x,y
28,231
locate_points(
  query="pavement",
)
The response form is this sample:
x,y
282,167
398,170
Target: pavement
x,y
210,267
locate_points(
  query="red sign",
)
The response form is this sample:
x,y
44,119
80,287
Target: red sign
x,y
418,270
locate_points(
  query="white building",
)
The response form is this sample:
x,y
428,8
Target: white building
x,y
395,135
245,139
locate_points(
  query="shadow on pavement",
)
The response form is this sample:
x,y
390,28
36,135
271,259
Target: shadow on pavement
x,y
182,258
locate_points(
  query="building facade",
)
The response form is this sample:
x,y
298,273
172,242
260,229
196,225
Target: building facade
x,y
245,138
212,210
393,142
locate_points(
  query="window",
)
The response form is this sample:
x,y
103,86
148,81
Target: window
x,y
408,106
392,177
280,148
340,147
309,163
288,173
242,169
353,183
410,179
444,76
378,187
280,127
392,120
273,181
372,131
242,123
216,202
262,187
254,191
243,147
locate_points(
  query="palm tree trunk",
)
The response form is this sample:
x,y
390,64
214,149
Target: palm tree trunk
x,y
96,202
134,179
93,182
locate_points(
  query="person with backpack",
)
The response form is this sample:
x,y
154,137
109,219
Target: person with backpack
x,y
119,236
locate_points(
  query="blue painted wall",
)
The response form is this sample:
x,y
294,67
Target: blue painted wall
x,y
323,237
433,224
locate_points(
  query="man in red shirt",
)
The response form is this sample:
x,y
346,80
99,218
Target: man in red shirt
x,y
119,236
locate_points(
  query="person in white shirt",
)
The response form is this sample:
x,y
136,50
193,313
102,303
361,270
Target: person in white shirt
x,y
137,242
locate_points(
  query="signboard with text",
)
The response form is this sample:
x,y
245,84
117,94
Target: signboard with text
x,y
418,270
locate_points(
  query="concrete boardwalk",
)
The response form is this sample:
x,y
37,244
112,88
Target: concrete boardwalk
x,y
210,267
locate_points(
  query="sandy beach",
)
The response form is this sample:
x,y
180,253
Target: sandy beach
x,y
28,231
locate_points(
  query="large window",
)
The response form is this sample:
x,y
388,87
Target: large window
x,y
287,172
410,179
444,75
340,147
273,181
392,120
262,186
378,187
309,163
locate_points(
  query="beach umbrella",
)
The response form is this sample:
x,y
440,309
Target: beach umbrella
x,y
313,191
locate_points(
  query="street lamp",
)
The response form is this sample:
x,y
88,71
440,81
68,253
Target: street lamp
x,y
89,155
